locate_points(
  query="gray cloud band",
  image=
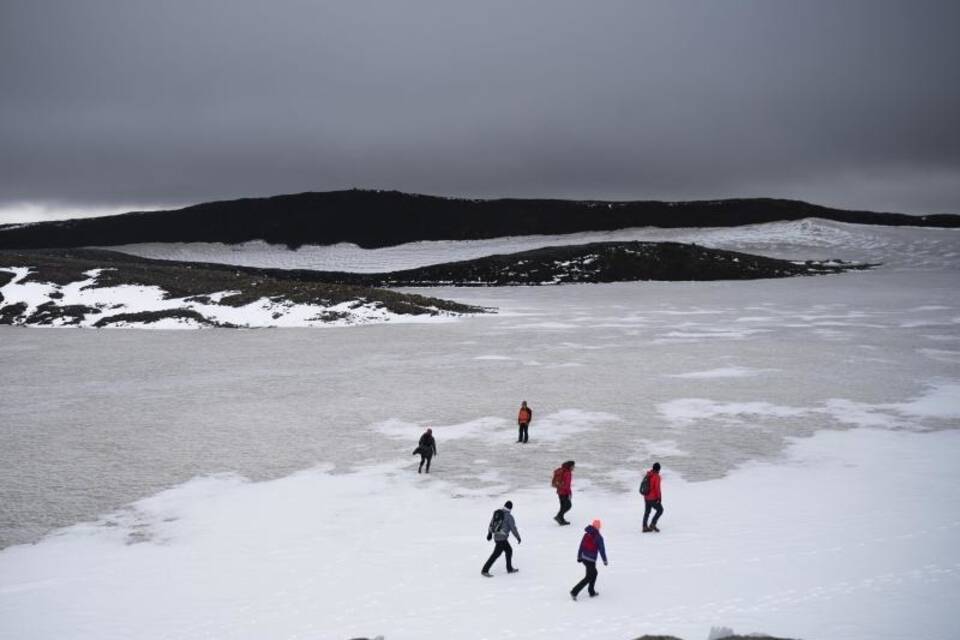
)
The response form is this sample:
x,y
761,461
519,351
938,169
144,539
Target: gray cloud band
x,y
848,104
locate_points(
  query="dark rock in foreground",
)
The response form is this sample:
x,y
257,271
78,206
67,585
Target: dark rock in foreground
x,y
194,286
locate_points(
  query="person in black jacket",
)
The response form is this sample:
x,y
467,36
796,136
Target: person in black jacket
x,y
427,448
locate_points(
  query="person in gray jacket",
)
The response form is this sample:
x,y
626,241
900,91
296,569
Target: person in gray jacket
x,y
501,526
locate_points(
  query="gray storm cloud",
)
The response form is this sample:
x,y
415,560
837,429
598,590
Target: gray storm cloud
x,y
843,103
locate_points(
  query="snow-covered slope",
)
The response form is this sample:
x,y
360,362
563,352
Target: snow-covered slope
x,y
804,239
806,548
85,304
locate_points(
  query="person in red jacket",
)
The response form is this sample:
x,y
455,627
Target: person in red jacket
x,y
652,499
524,416
563,481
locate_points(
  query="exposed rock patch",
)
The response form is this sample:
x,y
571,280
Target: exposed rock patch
x,y
597,262
104,288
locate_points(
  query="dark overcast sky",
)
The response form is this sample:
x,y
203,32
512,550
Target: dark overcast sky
x,y
106,105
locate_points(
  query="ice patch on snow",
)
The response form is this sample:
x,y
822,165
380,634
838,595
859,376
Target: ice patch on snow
x,y
568,423
722,372
479,428
550,427
942,355
939,337
942,401
547,326
688,410
862,414
712,334
657,449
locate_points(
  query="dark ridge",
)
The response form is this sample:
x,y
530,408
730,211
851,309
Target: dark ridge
x,y
384,218
595,262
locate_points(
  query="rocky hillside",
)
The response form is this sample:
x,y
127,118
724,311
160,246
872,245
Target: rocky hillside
x,y
596,262
97,288
107,289
385,218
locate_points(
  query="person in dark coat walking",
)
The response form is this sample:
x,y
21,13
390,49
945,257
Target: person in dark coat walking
x,y
563,481
652,498
590,545
524,416
427,448
501,526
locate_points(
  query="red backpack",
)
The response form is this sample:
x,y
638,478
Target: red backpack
x,y
588,545
557,477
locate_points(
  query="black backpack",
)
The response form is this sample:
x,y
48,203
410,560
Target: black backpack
x,y
645,485
495,522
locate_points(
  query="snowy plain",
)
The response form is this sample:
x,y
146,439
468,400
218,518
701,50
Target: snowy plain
x,y
250,484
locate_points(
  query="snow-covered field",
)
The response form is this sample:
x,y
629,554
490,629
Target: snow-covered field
x,y
851,535
807,239
808,430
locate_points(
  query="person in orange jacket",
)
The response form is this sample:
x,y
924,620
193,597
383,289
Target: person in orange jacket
x,y
523,421
652,499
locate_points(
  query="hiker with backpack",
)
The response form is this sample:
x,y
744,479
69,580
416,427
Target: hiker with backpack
x,y
427,448
590,545
524,417
501,526
563,483
650,490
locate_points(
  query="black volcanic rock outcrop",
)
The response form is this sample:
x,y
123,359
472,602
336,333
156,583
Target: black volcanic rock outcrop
x,y
383,218
595,262
190,281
